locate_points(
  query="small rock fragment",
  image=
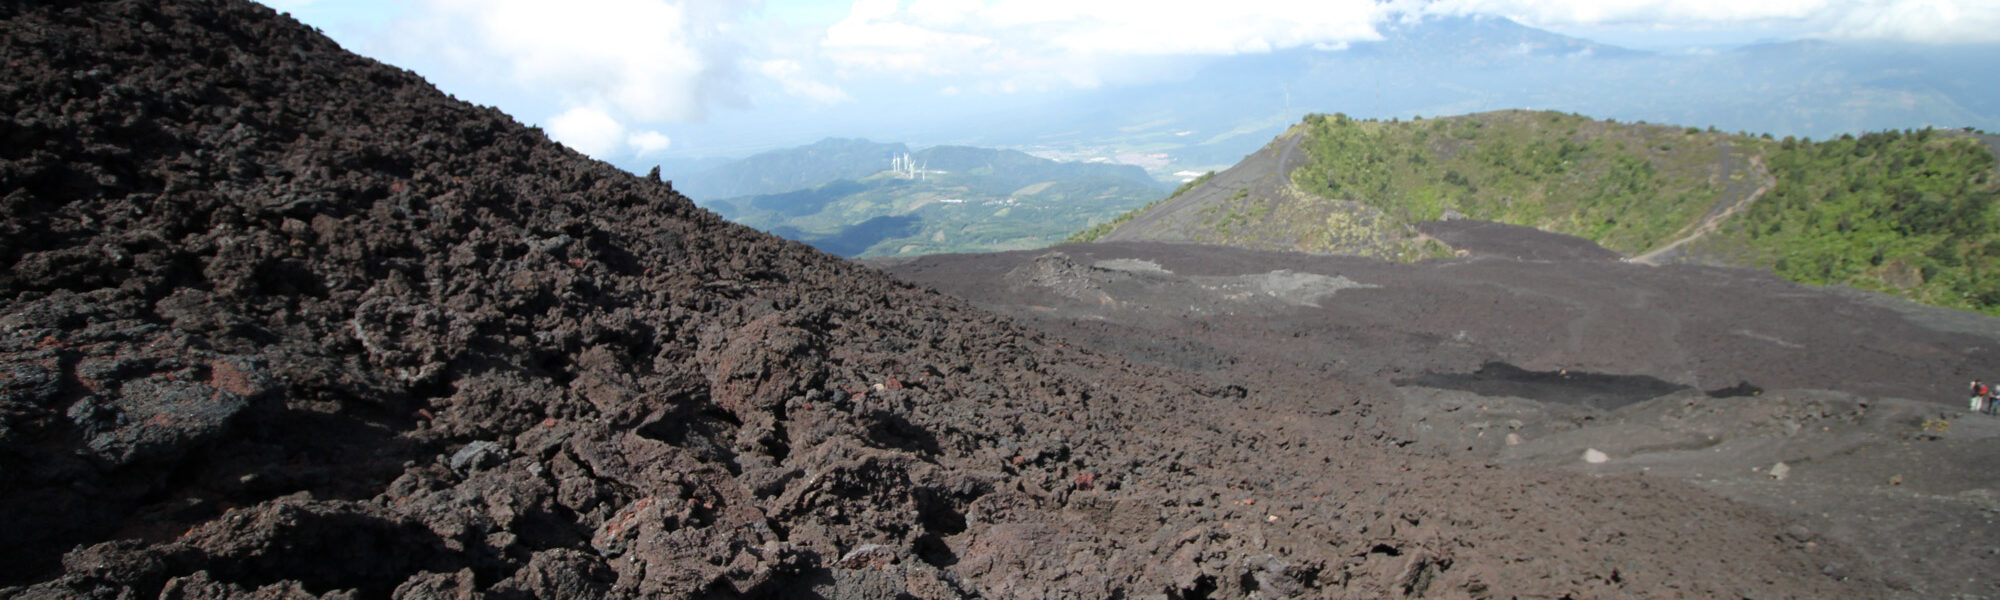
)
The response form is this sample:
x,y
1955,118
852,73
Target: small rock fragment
x,y
869,555
1595,456
1513,439
1780,471
477,455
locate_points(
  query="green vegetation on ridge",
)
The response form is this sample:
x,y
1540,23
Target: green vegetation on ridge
x,y
1911,214
1907,213
1629,187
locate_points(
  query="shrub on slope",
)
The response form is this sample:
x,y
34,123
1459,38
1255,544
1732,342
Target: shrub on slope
x,y
1908,213
1628,187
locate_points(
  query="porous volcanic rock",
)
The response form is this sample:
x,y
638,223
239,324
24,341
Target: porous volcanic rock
x,y
281,321
1535,350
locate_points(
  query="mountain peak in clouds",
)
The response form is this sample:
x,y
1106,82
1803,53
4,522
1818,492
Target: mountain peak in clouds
x,y
1482,38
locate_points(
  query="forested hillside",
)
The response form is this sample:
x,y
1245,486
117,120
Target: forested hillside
x,y
1904,212
1909,213
1628,187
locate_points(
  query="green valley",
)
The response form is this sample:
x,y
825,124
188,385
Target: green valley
x,y
942,199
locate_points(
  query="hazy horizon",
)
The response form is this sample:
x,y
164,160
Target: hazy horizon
x,y
637,82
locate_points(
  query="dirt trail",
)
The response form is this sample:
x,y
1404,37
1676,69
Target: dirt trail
x,y
1715,218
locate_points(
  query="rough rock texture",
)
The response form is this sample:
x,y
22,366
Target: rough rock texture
x,y
282,322
1538,351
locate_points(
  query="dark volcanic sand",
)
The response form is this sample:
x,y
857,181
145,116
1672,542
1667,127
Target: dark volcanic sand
x,y
1702,375
1486,238
285,322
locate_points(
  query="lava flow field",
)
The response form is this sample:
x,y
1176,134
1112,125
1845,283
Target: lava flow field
x,y
1836,411
279,321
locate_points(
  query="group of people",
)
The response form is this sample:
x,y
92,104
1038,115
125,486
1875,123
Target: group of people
x,y
1983,399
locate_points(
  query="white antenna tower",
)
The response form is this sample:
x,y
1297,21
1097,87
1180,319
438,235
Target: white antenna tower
x,y
1288,103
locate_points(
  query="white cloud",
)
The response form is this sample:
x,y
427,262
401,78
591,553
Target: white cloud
x,y
648,142
1928,21
588,130
1032,45
596,133
609,65
871,39
644,58
1009,46
1664,13
1931,21
615,71
1181,27
792,77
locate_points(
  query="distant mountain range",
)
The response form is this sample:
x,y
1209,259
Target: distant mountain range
x,y
790,169
1914,213
1210,112
1217,110
860,198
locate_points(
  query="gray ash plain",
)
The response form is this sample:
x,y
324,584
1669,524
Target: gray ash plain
x,y
1539,351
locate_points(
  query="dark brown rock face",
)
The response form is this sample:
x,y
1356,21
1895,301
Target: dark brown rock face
x,y
281,321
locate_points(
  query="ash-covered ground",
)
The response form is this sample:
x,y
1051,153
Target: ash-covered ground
x,y
278,321
1839,413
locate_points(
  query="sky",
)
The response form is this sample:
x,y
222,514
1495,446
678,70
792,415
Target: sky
x,y
629,81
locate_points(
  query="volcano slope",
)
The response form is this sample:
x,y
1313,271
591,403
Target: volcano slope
x,y
280,321
1537,349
